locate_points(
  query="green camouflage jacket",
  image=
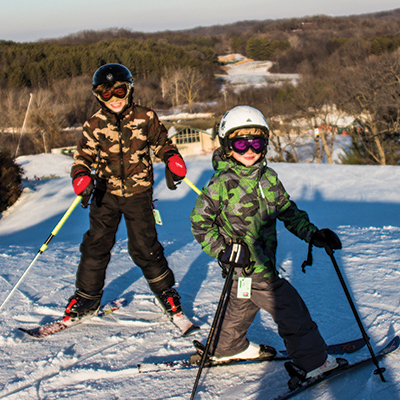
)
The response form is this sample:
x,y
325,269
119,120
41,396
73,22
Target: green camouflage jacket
x,y
243,203
122,144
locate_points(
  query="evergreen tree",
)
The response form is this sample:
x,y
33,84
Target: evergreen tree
x,y
10,181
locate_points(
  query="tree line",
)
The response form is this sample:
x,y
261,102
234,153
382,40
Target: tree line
x,y
41,64
349,65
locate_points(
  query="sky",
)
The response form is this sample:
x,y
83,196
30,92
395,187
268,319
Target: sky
x,y
98,359
26,21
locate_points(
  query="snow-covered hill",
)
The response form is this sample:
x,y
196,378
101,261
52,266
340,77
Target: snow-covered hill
x,y
97,360
242,73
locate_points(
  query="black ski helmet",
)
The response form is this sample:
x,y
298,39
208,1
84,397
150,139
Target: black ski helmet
x,y
109,73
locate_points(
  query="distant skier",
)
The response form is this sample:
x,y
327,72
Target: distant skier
x,y
117,141
234,220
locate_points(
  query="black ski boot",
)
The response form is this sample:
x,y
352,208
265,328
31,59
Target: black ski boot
x,y
170,301
298,376
83,304
195,358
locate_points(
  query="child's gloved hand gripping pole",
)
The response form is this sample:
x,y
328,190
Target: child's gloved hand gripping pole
x,y
44,246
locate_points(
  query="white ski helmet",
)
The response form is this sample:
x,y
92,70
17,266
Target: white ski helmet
x,y
241,117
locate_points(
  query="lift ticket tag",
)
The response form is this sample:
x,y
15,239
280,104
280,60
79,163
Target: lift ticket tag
x,y
157,216
244,288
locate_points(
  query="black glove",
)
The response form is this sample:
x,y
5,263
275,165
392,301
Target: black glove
x,y
326,238
236,254
175,168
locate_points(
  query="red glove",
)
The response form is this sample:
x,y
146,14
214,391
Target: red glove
x,y
177,166
82,183
175,169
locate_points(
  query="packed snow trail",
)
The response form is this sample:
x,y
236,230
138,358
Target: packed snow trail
x,y
97,360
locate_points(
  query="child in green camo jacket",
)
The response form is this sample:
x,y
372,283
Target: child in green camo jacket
x,y
238,210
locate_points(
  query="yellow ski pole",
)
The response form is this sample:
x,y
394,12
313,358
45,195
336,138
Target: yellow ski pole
x,y
190,184
44,246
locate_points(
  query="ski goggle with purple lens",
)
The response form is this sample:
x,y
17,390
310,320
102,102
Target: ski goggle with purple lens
x,y
242,144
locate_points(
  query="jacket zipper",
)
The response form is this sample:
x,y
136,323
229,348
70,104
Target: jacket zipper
x,y
121,154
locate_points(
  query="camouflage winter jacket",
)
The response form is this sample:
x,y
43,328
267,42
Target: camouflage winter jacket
x,y
122,143
243,203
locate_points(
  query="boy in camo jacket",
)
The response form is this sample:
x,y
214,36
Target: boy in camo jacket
x,y
234,220
116,141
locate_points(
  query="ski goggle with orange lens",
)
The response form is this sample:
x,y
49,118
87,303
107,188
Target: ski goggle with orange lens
x,y
120,92
242,144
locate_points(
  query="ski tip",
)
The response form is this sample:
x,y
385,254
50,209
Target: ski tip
x,y
190,331
24,330
30,333
120,301
392,345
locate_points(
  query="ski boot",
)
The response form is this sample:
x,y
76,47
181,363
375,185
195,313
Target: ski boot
x,y
170,302
82,304
298,376
254,351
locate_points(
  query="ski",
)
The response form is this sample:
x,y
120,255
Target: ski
x,y
389,348
180,320
183,323
50,328
339,348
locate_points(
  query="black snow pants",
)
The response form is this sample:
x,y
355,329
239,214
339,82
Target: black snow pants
x,y
279,298
143,246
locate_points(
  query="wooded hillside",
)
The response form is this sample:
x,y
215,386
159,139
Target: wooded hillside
x,y
350,63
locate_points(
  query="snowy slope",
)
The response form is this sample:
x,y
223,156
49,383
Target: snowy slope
x,y
97,359
247,73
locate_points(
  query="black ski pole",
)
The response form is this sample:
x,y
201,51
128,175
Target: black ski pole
x,y
225,289
379,370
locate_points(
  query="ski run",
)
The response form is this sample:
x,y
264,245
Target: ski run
x,y
97,359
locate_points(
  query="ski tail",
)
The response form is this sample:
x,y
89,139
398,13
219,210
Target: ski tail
x,y
42,331
392,345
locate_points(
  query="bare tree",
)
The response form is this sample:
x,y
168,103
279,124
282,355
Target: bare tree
x,y
190,86
13,104
284,139
170,86
76,96
371,92
317,114
45,121
182,86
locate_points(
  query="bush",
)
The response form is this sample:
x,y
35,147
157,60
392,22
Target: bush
x,y
10,181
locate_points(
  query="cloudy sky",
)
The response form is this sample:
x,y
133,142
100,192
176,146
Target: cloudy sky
x,y
30,20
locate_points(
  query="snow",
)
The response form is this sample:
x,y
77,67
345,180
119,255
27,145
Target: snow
x,y
97,359
247,73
